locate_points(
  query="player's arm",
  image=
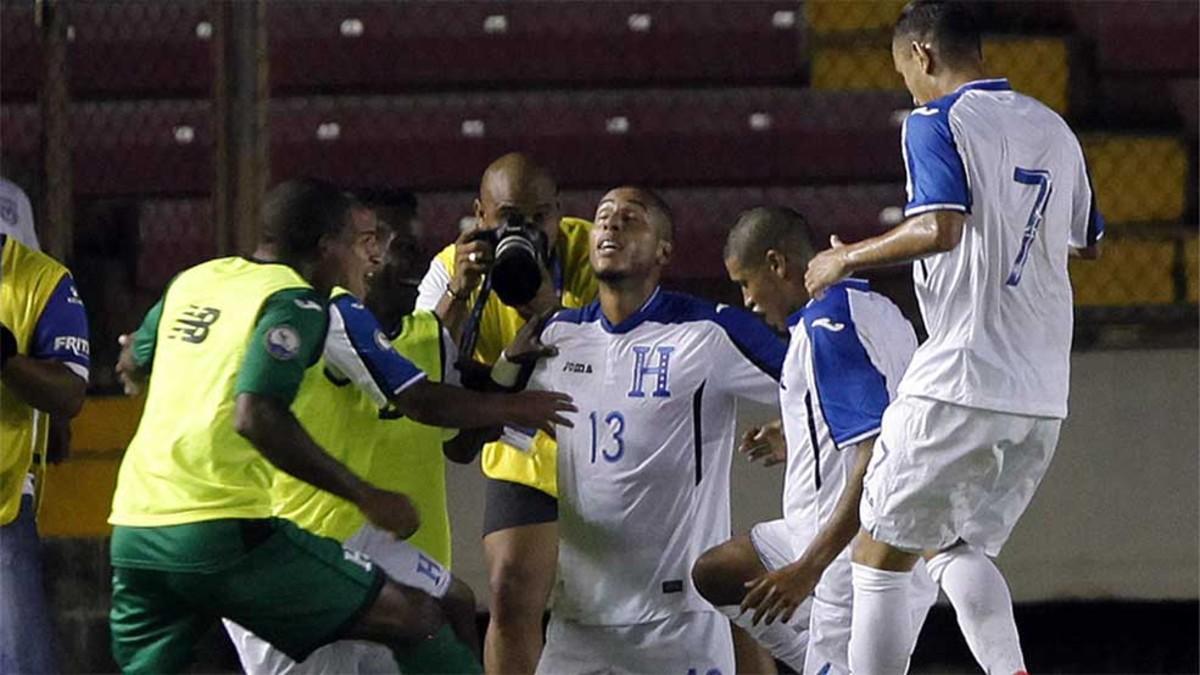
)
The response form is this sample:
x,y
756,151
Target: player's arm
x,y
357,349
137,351
750,360
1087,226
939,198
53,375
288,340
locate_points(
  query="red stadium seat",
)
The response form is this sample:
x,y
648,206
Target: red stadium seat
x,y
175,234
1130,39
20,67
379,47
669,137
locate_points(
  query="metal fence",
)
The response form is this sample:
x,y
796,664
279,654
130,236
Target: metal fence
x,y
145,130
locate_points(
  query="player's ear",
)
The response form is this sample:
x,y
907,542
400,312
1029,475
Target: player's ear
x,y
777,263
665,248
923,56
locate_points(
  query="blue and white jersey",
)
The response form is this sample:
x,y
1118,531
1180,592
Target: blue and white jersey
x,y
643,477
847,354
998,307
358,351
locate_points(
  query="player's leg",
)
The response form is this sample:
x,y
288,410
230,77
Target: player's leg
x,y
520,545
27,641
153,628
881,631
965,571
720,575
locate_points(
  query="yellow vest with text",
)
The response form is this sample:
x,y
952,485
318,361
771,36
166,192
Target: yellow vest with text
x,y
27,281
499,325
186,463
390,452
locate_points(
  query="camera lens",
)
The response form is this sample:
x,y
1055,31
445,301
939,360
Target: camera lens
x,y
515,274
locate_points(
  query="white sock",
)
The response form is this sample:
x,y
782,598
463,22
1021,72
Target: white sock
x,y
786,642
881,623
981,599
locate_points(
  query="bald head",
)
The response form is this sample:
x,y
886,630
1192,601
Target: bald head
x,y
658,212
516,185
515,173
767,228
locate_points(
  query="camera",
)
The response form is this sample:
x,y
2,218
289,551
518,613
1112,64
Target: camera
x,y
521,250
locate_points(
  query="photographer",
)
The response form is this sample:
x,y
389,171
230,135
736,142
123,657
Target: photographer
x,y
517,205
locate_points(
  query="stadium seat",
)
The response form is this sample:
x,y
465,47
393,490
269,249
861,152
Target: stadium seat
x,y
669,137
175,234
838,16
1131,272
318,47
20,130
1191,261
20,69
1138,178
1165,41
1035,66
142,147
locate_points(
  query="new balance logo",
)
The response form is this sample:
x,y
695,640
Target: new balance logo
x,y
581,368
193,324
828,324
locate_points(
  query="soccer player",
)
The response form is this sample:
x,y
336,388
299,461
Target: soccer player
x,y
225,351
644,474
44,367
520,535
998,197
848,351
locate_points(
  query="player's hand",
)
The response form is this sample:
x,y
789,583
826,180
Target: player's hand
x,y
827,268
765,443
472,259
776,595
540,409
527,348
391,511
128,372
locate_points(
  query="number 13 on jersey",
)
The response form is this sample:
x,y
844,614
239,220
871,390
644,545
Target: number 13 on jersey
x,y
608,435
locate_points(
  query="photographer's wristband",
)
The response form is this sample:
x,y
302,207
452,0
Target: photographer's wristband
x,y
459,296
505,373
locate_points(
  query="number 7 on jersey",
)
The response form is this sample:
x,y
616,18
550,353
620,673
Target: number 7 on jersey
x,y
1041,179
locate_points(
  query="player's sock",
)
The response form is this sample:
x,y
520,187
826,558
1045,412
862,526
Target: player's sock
x,y
881,624
984,607
785,642
442,653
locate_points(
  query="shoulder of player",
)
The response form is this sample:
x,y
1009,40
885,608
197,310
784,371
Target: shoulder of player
x,y
32,263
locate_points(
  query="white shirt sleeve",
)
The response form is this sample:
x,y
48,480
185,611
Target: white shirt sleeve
x,y
433,286
357,350
1087,225
751,356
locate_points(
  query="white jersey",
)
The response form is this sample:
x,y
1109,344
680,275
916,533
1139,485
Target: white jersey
x,y
847,355
643,477
998,307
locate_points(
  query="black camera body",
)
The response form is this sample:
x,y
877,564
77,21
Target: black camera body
x,y
521,251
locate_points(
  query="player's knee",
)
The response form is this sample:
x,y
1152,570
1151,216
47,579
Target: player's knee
x,y
712,577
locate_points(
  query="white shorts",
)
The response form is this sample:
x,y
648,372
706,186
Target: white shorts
x,y
402,561
829,608
691,643
943,472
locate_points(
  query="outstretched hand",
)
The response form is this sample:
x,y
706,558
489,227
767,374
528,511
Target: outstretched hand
x,y
776,595
764,443
827,268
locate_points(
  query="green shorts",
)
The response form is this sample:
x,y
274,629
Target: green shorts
x,y
292,588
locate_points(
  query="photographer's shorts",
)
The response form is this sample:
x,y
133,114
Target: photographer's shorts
x,y
509,504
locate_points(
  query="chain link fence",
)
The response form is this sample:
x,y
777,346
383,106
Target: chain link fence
x,y
723,104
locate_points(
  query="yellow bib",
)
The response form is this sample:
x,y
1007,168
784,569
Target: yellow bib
x,y
497,328
186,463
27,280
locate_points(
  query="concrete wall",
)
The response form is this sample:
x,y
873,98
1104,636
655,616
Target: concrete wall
x,y
1116,516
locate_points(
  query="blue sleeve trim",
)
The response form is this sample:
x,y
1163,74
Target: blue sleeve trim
x,y
753,338
391,371
852,392
937,179
1095,225
61,333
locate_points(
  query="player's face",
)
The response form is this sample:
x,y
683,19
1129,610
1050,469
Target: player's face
x,y
400,275
534,200
359,250
763,291
911,62
626,240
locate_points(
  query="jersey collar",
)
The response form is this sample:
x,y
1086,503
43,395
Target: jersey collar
x,y
633,320
992,84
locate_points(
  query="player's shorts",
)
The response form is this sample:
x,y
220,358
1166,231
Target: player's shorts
x,y
690,643
402,561
829,608
508,504
295,589
943,472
